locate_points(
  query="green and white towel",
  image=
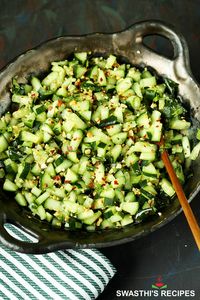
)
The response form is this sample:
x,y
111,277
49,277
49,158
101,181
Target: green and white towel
x,y
63,275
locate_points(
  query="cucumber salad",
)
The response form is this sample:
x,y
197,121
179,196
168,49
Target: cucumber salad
x,y
79,146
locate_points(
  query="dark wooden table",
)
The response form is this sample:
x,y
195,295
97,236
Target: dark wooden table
x,y
169,252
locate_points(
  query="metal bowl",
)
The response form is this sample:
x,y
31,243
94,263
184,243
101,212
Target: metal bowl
x,y
128,44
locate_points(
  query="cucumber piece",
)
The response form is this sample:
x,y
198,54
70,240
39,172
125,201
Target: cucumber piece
x,y
143,120
179,124
81,56
2,173
20,199
119,138
195,152
148,82
114,129
137,89
25,170
41,212
131,159
111,60
130,197
150,156
3,144
115,152
90,220
126,220
79,71
134,74
101,78
186,146
94,72
76,140
123,85
36,84
46,181
36,191
108,193
130,207
134,102
30,198
27,136
99,173
167,187
144,147
150,170
36,170
71,176
52,204
11,166
42,198
10,186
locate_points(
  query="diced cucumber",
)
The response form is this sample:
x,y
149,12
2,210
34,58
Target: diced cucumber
x,y
76,139
111,60
42,198
167,187
137,89
108,193
101,78
115,152
148,82
3,144
20,199
143,120
179,124
150,170
81,148
131,159
79,71
36,191
195,152
2,173
134,74
123,85
94,72
119,138
90,220
126,220
144,147
71,176
10,186
130,207
29,137
41,212
186,146
81,56
99,173
130,197
114,129
148,155
30,198
52,204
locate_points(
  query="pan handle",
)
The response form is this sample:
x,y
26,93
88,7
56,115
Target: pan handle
x,y
18,245
179,66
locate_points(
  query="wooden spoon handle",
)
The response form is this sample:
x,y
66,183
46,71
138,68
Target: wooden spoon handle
x,y
182,198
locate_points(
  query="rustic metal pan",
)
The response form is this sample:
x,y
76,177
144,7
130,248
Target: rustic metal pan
x,y
129,44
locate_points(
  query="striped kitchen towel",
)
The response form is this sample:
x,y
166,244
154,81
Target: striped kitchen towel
x,y
63,275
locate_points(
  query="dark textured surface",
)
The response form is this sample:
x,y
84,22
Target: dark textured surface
x,y
170,251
